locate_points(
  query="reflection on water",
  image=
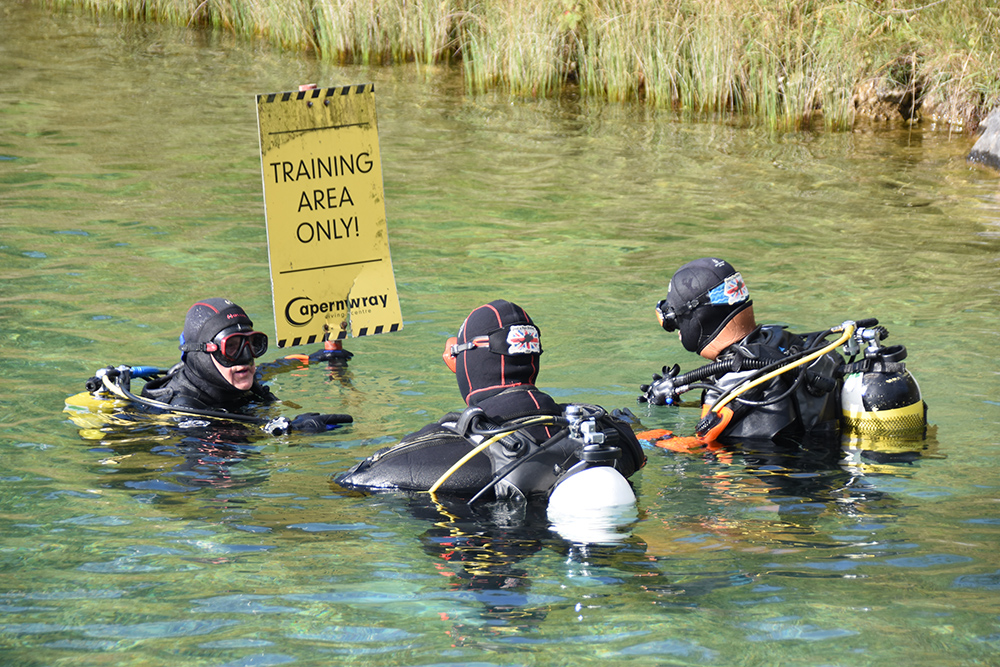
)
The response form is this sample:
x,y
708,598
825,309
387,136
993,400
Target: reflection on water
x,y
130,186
178,461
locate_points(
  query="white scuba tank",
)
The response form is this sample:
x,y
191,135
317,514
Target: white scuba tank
x,y
594,506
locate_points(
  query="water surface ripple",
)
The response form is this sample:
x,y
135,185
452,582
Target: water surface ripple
x,y
130,187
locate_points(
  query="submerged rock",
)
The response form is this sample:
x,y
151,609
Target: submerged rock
x,y
987,149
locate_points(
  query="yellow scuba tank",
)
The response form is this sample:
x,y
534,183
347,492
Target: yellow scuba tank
x,y
880,398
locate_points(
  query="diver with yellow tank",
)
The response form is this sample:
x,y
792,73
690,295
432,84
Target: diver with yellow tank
x,y
766,383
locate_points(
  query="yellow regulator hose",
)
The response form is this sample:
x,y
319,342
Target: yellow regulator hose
x,y
848,330
481,447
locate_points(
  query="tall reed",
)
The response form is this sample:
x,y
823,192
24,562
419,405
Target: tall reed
x,y
786,62
384,31
514,44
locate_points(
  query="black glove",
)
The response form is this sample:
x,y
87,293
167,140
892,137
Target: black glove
x,y
314,422
332,356
661,391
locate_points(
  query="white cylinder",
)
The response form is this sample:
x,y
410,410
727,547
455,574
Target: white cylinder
x,y
593,506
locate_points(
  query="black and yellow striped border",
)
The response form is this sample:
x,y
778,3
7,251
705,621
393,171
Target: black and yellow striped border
x,y
316,93
314,338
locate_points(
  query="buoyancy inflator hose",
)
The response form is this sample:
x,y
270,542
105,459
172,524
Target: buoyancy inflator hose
x,y
117,380
667,388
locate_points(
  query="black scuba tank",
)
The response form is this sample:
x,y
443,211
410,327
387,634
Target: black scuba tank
x,y
880,399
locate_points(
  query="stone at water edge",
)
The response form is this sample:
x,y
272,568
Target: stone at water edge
x,y
986,151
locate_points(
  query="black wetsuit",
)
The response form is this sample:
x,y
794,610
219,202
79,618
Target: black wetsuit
x,y
421,458
773,410
184,386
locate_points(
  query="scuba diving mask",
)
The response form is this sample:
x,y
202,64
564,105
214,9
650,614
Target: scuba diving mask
x,y
233,346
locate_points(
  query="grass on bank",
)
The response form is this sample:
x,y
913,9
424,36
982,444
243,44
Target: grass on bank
x,y
784,62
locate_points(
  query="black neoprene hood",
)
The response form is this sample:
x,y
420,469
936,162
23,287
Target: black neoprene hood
x,y
706,294
210,316
511,360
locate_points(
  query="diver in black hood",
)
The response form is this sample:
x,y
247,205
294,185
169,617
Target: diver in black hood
x,y
709,306
495,358
218,369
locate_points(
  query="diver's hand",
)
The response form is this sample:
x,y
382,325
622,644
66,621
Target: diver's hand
x,y
331,355
662,390
314,422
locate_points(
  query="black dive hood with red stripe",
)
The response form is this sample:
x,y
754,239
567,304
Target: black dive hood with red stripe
x,y
499,348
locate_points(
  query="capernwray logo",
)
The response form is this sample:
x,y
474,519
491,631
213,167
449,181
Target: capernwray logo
x,y
301,310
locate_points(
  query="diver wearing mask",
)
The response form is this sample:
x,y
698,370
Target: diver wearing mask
x,y
217,371
495,358
709,306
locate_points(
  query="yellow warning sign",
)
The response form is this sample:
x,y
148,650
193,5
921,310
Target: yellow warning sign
x,y
327,237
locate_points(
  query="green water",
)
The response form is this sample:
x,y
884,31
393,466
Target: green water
x,y
130,187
